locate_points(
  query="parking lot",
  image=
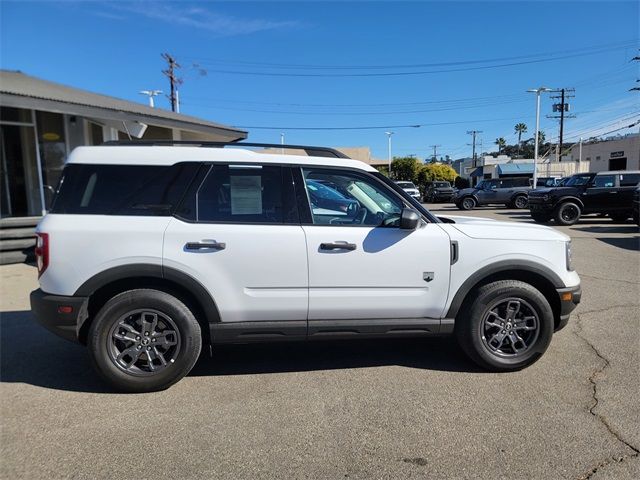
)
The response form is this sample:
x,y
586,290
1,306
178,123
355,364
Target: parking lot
x,y
366,409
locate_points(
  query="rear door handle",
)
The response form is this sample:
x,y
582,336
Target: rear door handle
x,y
338,246
205,245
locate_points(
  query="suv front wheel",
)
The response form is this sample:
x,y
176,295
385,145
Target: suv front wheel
x,y
568,213
467,203
144,340
507,326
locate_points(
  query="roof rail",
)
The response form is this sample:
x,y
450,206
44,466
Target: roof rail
x,y
310,151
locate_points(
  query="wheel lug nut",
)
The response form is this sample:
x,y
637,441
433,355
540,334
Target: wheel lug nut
x,y
153,339
148,348
139,347
137,337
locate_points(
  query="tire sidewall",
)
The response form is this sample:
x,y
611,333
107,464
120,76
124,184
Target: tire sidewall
x,y
468,203
520,198
118,306
563,207
489,295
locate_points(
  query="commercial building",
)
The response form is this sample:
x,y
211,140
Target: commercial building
x,y
613,153
41,122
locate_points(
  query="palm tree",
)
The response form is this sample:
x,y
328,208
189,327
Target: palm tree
x,y
501,142
520,128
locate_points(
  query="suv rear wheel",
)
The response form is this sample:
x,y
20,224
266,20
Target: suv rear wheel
x,y
507,326
144,340
568,213
467,203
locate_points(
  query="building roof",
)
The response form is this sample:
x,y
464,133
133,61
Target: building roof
x,y
23,91
515,168
168,155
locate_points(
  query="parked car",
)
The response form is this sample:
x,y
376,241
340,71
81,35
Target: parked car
x,y
410,188
438,191
329,201
511,192
609,193
150,252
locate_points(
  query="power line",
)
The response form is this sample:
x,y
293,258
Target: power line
x,y
378,127
578,52
400,74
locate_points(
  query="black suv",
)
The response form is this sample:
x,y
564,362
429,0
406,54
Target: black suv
x,y
610,193
512,192
438,192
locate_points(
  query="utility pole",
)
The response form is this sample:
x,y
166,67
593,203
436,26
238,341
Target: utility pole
x,y
562,107
473,133
174,81
537,91
435,152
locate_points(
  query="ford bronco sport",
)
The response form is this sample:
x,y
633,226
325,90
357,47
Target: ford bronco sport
x,y
150,252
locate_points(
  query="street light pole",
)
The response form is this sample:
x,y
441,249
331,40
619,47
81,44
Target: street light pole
x,y
389,142
537,91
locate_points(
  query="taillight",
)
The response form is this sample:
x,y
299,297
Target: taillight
x,y
42,252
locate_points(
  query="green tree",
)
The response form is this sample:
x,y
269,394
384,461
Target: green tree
x,y
500,142
520,128
435,171
405,168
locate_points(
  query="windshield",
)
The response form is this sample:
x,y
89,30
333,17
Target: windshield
x,y
406,184
442,184
577,180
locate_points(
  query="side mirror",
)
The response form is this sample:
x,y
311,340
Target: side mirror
x,y
409,219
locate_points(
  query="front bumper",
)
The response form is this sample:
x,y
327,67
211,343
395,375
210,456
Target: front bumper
x,y
59,314
569,299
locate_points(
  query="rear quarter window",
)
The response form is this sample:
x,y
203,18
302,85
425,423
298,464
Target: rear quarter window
x,y
122,189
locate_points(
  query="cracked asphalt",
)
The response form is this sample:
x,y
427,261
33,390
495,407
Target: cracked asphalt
x,y
368,409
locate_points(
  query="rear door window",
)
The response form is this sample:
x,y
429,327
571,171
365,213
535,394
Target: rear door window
x,y
629,179
242,194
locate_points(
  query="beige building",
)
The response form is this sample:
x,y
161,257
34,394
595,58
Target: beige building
x,y
618,153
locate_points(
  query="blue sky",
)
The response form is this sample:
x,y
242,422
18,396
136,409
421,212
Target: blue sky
x,y
367,59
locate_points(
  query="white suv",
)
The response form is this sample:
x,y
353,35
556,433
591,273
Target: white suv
x,y
149,252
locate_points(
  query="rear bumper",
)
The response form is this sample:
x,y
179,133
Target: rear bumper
x,y
49,313
569,300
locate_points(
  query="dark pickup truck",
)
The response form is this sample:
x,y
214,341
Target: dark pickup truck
x,y
609,193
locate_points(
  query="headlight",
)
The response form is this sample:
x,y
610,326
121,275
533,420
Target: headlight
x,y
568,255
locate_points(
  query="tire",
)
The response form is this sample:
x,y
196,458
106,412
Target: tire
x,y
478,330
520,202
467,203
619,217
117,330
540,217
567,213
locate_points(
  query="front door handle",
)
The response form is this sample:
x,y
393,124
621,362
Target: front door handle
x,y
206,245
338,246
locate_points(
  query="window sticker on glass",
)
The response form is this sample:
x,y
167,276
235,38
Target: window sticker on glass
x,y
246,194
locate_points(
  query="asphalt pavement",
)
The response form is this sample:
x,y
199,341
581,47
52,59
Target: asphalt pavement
x,y
363,409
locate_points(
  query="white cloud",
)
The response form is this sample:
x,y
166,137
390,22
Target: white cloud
x,y
190,16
